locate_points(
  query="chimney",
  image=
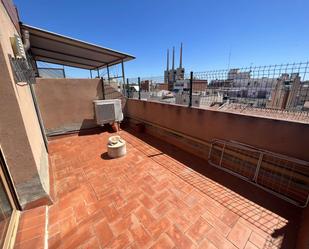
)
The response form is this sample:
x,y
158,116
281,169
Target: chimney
x,y
180,60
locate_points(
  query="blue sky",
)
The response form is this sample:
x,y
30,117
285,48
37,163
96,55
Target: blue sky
x,y
257,32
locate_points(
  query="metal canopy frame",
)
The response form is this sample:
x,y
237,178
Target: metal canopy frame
x,y
54,48
109,78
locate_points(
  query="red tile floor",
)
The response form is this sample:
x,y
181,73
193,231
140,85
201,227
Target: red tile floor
x,y
157,196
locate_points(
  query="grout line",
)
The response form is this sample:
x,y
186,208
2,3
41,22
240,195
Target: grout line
x,y
46,228
196,174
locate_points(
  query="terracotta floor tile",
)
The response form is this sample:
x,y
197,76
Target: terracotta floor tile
x,y
152,197
206,244
53,229
161,209
67,225
218,240
179,220
111,213
140,236
92,243
80,211
258,240
159,227
229,217
124,224
103,233
145,217
146,201
31,221
77,238
249,245
36,243
180,240
164,242
27,234
35,212
192,198
54,241
65,213
122,241
198,230
148,189
217,223
162,196
129,208
239,235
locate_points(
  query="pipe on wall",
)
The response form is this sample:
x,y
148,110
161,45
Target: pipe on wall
x,y
26,40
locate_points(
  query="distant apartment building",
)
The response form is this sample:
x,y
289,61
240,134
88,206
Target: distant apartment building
x,y
289,93
285,92
279,94
235,74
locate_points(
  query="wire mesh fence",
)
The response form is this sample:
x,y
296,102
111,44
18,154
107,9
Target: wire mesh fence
x,y
282,87
283,176
113,89
274,90
54,73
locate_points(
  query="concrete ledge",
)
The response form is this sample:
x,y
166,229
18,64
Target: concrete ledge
x,y
283,137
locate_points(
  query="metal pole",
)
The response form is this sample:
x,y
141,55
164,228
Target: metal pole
x,y
64,72
108,77
190,93
98,72
128,88
90,73
139,87
38,113
103,89
123,76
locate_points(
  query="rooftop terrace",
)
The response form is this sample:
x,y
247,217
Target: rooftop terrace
x,y
154,197
217,159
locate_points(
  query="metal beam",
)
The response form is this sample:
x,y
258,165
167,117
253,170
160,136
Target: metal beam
x,y
123,76
72,63
112,54
66,54
114,62
108,76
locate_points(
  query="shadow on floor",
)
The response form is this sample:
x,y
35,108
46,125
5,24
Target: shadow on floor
x,y
89,127
289,212
105,156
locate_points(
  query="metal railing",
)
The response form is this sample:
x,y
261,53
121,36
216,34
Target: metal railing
x,y
54,73
285,177
257,89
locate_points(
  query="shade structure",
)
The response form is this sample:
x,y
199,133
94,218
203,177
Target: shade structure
x,y
54,48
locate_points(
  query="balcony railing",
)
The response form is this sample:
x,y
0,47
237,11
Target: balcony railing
x,y
280,175
282,87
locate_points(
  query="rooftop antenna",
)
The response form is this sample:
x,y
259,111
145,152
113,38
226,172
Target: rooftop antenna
x,y
229,61
173,59
167,60
180,60
173,64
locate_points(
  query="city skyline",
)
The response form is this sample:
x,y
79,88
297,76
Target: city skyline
x,y
240,37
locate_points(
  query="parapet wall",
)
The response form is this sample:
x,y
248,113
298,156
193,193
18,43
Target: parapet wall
x,y
67,104
284,137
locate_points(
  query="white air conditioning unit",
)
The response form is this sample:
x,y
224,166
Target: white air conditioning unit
x,y
108,111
